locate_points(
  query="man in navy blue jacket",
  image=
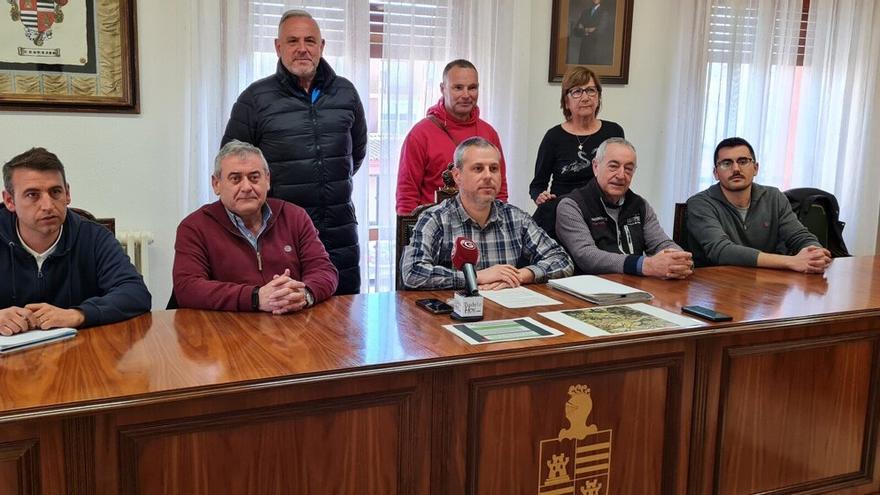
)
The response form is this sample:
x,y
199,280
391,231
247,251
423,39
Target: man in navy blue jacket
x,y
59,270
310,125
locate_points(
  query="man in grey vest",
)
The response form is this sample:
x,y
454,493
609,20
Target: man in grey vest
x,y
607,228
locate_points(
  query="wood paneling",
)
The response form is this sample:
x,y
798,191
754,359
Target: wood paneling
x,y
170,355
355,446
20,467
79,454
32,459
793,410
495,417
811,425
370,434
368,394
526,420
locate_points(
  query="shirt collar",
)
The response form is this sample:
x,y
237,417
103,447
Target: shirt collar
x,y
239,223
45,253
494,215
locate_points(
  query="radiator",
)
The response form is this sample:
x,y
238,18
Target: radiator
x,y
135,245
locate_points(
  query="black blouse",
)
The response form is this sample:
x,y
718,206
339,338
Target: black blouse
x,y
560,158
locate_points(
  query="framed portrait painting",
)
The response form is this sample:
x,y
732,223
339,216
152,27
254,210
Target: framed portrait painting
x,y
68,55
595,33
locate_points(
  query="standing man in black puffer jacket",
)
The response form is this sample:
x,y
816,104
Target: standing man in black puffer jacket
x,y
310,125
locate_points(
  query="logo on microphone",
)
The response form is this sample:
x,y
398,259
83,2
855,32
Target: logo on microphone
x,y
464,256
464,251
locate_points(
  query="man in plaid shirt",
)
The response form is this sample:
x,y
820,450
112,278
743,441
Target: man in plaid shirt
x,y
513,249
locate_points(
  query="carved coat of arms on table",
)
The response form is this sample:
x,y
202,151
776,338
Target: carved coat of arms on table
x,y
578,460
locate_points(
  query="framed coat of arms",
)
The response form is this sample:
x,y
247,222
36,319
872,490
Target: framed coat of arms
x,y
68,55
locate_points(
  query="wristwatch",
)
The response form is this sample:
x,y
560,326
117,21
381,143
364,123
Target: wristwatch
x,y
255,299
310,298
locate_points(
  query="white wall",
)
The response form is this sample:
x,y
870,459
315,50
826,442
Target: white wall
x,y
640,106
125,166
130,166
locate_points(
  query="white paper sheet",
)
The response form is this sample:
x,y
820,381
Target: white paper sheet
x,y
518,297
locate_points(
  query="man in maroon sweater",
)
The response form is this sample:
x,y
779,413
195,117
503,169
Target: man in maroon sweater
x,y
247,253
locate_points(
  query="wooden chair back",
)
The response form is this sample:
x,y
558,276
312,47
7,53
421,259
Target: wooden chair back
x,y
109,223
405,226
679,225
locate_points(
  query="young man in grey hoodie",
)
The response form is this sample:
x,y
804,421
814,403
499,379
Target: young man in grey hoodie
x,y
739,222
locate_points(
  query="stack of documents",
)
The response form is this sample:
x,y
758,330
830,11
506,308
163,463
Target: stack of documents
x,y
599,291
33,338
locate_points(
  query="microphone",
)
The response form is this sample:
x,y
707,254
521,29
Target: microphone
x,y
467,304
464,256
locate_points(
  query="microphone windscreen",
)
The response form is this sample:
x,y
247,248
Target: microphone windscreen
x,y
464,251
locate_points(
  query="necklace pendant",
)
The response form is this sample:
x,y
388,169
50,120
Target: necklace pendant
x,y
580,147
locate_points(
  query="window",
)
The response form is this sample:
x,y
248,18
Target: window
x,y
756,57
408,49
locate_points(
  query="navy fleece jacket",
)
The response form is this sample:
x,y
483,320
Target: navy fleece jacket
x,y
88,271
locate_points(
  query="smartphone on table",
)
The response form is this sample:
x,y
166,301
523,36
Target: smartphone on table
x,y
706,313
435,306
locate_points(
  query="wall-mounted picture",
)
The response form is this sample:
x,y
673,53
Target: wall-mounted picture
x,y
68,55
595,33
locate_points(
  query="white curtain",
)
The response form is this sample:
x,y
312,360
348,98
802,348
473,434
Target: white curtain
x,y
744,69
420,38
497,37
216,71
396,63
410,55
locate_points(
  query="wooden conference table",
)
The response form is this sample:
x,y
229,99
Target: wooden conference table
x,y
369,395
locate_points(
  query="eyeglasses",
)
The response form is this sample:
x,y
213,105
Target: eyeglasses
x,y
590,91
614,167
742,161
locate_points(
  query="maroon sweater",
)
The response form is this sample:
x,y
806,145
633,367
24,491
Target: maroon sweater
x,y
215,267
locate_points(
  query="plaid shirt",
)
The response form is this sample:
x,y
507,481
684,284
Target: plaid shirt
x,y
510,237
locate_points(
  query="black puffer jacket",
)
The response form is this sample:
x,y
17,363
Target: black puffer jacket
x,y
313,150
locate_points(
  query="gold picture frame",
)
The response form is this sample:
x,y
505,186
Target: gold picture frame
x,y
69,56
595,34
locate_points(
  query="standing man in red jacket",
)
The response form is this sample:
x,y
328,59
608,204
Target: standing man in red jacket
x,y
430,144
247,253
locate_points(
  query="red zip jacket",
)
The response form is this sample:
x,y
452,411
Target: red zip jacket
x,y
427,150
215,267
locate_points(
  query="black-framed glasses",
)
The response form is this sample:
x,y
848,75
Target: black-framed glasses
x,y
614,167
590,91
742,161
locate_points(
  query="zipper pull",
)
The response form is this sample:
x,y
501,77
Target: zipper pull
x,y
259,262
629,240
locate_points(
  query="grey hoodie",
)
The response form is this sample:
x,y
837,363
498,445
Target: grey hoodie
x,y
718,236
